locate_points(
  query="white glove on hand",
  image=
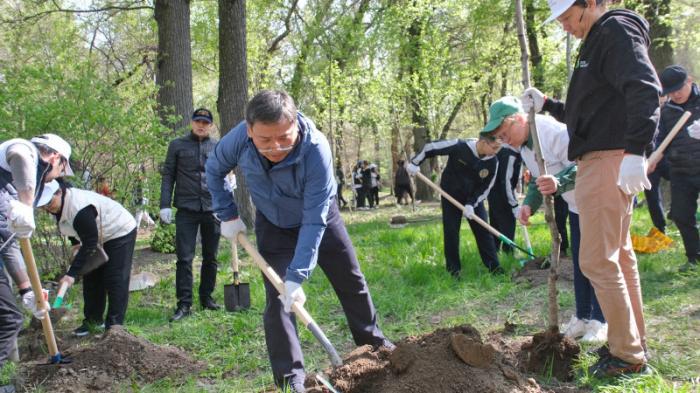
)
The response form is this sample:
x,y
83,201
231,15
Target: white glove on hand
x,y
230,229
29,302
412,169
633,174
468,211
532,98
292,293
694,129
21,219
166,215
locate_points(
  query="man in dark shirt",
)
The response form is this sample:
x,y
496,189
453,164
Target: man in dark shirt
x,y
184,168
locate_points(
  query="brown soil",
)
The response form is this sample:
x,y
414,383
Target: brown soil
x,y
533,273
550,353
433,363
118,357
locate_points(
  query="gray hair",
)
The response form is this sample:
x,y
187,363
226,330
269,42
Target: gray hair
x,y
270,106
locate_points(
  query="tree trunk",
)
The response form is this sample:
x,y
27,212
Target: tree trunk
x,y
233,86
535,54
174,65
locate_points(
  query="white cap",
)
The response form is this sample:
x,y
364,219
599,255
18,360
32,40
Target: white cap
x,y
57,143
50,188
558,7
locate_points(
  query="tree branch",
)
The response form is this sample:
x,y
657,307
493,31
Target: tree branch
x,y
58,9
274,45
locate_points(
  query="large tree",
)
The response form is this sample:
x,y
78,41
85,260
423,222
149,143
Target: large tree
x,y
174,64
233,85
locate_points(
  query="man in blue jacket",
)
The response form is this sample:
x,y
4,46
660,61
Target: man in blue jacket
x,y
288,167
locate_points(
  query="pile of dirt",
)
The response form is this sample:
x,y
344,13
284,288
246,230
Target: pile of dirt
x,y
118,357
536,271
446,360
550,353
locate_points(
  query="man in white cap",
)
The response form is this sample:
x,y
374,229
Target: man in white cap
x,y
24,168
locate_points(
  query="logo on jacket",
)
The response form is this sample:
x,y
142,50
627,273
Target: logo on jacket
x,y
582,64
483,173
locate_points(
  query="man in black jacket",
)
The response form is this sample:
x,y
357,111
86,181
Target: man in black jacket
x,y
184,168
683,155
502,201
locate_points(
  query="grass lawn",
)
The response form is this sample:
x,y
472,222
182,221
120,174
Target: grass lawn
x,y
413,295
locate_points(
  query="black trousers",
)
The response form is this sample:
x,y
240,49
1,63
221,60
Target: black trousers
x,y
337,259
451,222
655,202
359,197
374,195
10,318
187,223
341,201
561,213
110,282
684,197
501,217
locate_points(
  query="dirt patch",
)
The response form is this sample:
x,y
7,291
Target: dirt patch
x,y
102,365
534,273
551,354
433,363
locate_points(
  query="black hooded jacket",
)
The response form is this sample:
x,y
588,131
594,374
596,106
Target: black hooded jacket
x,y
613,98
684,151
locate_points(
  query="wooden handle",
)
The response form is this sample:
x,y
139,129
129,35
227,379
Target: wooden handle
x,y
234,261
33,274
297,308
659,152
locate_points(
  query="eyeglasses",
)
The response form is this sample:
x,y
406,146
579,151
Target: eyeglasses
x,y
277,149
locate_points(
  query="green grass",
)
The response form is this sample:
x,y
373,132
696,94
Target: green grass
x,y
413,294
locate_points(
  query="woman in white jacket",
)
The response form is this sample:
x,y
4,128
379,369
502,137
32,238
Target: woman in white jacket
x,y
93,220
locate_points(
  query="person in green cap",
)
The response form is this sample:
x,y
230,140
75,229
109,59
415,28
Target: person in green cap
x,y
509,122
469,174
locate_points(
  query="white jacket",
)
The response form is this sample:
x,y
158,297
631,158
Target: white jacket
x,y
113,220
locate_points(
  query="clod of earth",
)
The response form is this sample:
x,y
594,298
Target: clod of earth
x,y
550,353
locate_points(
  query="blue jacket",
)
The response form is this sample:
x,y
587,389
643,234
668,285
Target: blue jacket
x,y
294,193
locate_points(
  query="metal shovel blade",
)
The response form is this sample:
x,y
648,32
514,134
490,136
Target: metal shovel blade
x,y
237,297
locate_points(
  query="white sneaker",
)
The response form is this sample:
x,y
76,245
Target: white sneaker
x,y
576,327
596,332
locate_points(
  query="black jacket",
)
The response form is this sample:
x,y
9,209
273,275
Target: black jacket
x,y
684,152
466,177
509,163
613,98
184,167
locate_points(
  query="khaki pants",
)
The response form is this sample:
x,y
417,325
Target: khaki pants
x,y
606,256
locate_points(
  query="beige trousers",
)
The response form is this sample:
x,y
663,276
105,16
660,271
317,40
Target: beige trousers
x,y
606,255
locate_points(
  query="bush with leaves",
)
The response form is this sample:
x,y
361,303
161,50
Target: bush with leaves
x,y
163,240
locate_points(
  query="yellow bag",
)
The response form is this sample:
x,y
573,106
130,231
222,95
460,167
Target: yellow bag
x,y
653,242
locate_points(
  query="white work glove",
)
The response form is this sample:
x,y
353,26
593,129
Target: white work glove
x,y
292,293
412,169
166,215
230,229
29,302
532,98
633,174
21,219
694,129
468,211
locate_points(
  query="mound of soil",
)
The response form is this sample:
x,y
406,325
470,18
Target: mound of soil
x,y
446,360
117,357
550,353
533,273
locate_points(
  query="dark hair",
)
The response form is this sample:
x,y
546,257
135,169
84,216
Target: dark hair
x,y
44,149
270,106
584,3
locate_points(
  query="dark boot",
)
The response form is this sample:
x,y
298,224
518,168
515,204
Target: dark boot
x,y
209,304
180,313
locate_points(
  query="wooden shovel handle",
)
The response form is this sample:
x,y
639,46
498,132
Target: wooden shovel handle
x,y
33,274
659,152
234,261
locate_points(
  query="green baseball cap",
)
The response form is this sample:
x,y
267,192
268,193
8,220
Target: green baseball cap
x,y
499,110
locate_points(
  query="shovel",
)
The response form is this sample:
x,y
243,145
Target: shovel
x,y
236,295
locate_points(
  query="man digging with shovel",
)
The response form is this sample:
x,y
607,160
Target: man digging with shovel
x,y
508,121
288,167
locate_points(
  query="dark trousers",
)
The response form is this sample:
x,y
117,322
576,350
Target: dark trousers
x,y
501,217
110,282
684,205
374,196
341,201
337,259
561,212
359,197
187,223
401,190
655,202
451,221
367,195
10,318
587,306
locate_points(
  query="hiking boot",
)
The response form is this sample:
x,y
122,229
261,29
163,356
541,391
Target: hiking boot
x,y
210,304
86,328
610,366
180,313
691,265
575,328
596,331
386,344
